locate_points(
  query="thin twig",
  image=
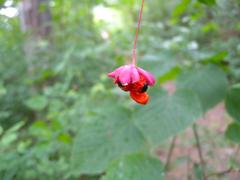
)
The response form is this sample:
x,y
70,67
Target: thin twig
x,y
221,173
229,170
188,166
170,152
198,144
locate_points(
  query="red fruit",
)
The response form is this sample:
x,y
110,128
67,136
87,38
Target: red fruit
x,y
124,88
137,90
138,86
141,98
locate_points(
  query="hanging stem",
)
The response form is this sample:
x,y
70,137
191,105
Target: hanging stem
x,y
134,54
170,152
199,148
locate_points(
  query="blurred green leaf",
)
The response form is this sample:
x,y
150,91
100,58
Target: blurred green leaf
x,y
233,132
233,102
3,90
42,129
208,2
2,2
66,138
217,58
210,27
8,139
166,115
181,8
208,82
66,58
37,103
198,172
135,167
106,135
10,135
16,127
170,75
234,163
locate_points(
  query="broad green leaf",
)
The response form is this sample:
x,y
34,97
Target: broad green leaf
x,y
216,58
135,167
103,137
233,102
170,75
208,2
208,82
167,115
37,103
233,132
181,8
157,63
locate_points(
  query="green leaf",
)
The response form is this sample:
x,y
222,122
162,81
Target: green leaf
x,y
11,134
216,58
41,129
170,75
16,127
233,102
211,27
233,132
181,8
2,2
3,90
103,137
166,115
37,103
198,172
135,167
208,82
208,2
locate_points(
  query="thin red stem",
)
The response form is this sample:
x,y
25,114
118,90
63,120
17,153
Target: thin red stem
x,y
134,54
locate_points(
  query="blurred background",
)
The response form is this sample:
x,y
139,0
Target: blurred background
x,y
55,96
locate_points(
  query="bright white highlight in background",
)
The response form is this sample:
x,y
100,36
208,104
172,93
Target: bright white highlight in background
x,y
111,18
9,11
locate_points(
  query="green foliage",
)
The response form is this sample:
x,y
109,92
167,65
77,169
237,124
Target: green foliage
x,y
3,90
37,103
103,137
61,118
10,135
208,2
216,59
181,8
233,102
209,83
167,115
198,172
232,132
135,167
170,75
